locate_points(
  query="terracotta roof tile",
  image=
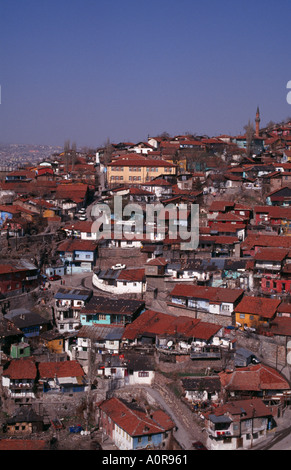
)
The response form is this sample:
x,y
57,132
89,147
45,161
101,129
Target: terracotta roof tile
x,y
60,369
136,422
262,306
21,369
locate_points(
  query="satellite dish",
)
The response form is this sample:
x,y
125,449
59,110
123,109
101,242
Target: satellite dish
x,y
170,343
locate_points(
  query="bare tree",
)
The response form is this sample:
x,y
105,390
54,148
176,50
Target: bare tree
x,y
249,132
66,154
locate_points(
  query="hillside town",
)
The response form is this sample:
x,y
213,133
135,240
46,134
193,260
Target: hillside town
x,y
117,336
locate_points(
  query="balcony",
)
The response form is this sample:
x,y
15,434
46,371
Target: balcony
x,y
206,353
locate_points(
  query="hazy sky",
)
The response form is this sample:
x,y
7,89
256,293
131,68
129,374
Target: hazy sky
x,y
89,70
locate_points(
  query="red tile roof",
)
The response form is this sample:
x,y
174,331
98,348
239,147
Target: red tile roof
x,y
135,275
157,323
221,206
245,409
21,369
23,444
136,422
281,325
259,240
60,369
227,227
254,378
262,306
271,254
213,294
77,245
136,160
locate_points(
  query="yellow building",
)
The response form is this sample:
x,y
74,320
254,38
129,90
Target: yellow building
x,y
253,312
136,169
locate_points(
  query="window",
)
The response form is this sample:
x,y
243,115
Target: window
x,y
241,315
143,374
225,307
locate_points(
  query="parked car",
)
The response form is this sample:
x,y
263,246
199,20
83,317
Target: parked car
x,y
118,266
82,217
82,211
55,277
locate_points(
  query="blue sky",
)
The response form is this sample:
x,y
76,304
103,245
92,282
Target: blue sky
x,y
92,70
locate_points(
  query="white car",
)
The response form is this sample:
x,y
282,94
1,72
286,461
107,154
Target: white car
x,y
82,211
82,217
119,266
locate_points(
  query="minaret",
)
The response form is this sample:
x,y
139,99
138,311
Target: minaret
x,y
258,122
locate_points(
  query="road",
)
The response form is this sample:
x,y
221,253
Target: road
x,y
187,431
280,437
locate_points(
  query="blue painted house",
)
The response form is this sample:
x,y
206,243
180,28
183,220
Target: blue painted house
x,y
7,212
79,255
29,323
131,428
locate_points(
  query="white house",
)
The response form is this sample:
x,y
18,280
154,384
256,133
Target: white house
x,y
121,281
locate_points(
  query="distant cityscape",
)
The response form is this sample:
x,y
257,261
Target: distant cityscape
x,y
14,156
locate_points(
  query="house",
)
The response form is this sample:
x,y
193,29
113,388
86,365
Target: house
x,y
38,206
237,424
31,324
104,311
121,281
271,269
19,350
100,339
17,277
157,328
208,341
71,197
254,242
140,195
256,380
219,207
24,421
237,230
255,312
19,379
156,267
79,255
9,335
199,270
160,187
56,342
136,169
279,197
243,357
68,305
200,391
131,428
178,336
61,377
81,229
128,369
278,217
206,302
